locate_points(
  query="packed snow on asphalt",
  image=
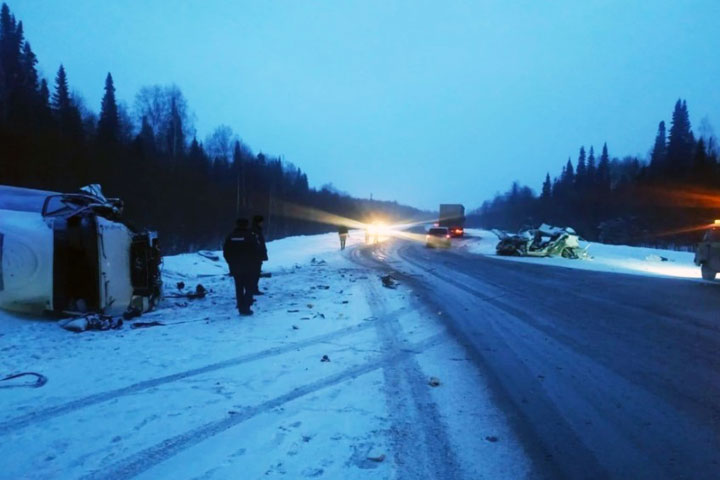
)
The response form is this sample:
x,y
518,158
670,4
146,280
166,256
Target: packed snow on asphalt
x,y
335,376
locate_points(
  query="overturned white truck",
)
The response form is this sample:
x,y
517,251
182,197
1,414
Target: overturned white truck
x,y
71,254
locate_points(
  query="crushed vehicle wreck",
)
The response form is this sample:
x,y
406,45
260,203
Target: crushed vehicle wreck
x,y
544,241
72,254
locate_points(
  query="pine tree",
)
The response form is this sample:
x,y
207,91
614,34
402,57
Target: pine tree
x,y
659,151
146,137
681,143
564,184
29,70
581,172
3,95
12,100
61,97
43,107
701,165
67,114
175,136
9,47
109,120
591,168
546,188
603,170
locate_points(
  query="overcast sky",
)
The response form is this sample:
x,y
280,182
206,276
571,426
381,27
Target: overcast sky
x,y
417,101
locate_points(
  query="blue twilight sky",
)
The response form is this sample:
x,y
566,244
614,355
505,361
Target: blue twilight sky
x,y
417,101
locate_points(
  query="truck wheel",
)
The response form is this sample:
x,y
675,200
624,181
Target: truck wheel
x,y
707,272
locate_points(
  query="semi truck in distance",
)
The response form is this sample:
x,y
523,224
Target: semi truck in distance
x,y
452,217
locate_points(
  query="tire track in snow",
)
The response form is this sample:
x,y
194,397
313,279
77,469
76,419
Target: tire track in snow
x,y
422,448
42,415
144,460
549,440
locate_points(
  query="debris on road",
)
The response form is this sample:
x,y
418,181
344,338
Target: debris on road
x,y
544,241
131,313
91,322
146,324
388,281
40,380
200,292
209,255
656,258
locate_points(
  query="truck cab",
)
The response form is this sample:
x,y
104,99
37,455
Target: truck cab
x,y
71,253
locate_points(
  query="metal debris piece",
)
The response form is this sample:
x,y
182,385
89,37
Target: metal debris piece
x,y
209,255
200,292
388,281
146,324
40,380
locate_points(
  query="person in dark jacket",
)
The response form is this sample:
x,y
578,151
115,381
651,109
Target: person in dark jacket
x,y
262,255
241,250
343,234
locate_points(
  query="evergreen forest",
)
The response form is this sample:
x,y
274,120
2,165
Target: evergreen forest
x,y
148,155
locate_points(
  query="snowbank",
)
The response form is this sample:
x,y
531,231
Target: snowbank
x,y
284,254
604,258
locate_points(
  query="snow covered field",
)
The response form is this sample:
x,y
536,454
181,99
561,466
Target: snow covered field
x,y
210,395
605,258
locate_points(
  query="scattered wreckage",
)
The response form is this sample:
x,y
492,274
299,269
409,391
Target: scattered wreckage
x,y
544,241
71,254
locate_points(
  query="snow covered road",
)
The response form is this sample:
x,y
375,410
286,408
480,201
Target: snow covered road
x,y
208,395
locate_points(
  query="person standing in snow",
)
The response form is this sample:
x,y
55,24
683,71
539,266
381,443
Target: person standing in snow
x,y
241,250
262,253
343,234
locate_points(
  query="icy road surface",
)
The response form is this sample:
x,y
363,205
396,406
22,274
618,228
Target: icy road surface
x,y
210,395
604,375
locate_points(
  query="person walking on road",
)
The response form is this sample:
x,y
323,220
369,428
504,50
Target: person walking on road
x,y
241,250
343,234
262,254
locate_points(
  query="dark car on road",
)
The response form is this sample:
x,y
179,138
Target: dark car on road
x,y
437,237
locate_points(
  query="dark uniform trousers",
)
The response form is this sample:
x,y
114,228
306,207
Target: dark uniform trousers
x,y
244,289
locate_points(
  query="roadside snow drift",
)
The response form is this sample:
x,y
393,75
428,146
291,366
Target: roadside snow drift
x,y
604,258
